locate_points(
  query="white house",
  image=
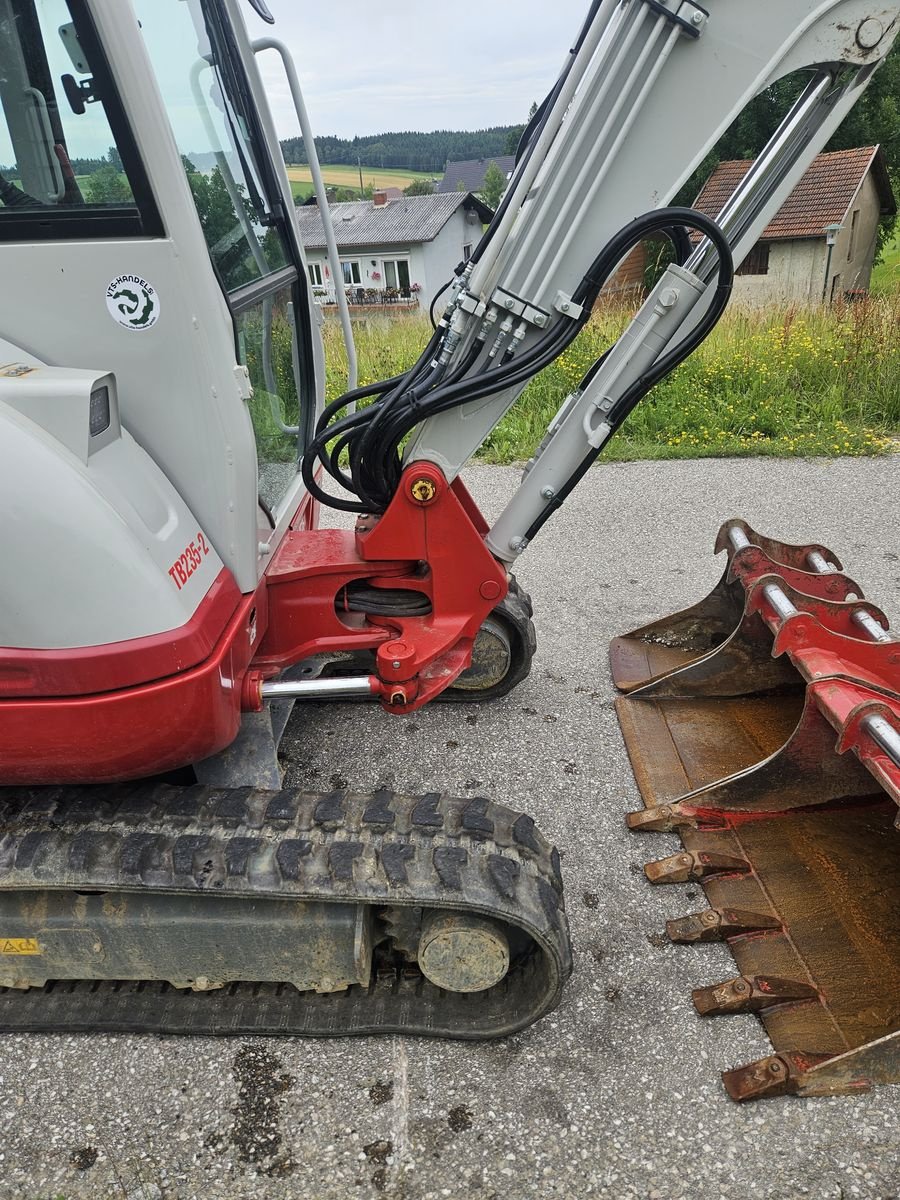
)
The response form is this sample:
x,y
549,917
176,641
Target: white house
x,y
397,251
821,245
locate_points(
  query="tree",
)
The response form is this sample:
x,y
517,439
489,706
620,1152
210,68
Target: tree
x,y
214,207
420,187
494,185
339,195
874,119
107,186
515,134
413,151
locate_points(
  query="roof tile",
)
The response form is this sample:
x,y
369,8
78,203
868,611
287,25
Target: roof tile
x,y
822,197
410,220
470,172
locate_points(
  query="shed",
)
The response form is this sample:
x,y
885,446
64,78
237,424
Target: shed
x,y
822,243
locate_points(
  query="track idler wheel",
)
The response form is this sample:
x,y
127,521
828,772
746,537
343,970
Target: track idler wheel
x,y
503,650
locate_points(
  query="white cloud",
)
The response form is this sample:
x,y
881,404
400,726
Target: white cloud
x,y
371,66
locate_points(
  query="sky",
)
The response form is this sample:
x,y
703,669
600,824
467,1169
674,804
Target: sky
x,y
373,66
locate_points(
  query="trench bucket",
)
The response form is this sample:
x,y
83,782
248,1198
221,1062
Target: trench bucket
x,y
763,727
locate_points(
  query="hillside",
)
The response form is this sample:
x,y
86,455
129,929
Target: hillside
x,y
411,151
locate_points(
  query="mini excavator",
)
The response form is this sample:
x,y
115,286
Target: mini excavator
x,y
168,594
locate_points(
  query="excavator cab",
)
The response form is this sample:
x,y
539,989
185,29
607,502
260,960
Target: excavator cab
x,y
227,147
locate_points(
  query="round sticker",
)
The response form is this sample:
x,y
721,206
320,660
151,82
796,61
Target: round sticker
x,y
132,302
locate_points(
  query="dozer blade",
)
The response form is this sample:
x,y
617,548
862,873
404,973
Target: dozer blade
x,y
783,786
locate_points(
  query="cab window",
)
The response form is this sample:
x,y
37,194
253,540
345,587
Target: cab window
x,y
204,86
67,160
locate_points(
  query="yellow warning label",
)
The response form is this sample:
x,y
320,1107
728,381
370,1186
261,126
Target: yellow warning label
x,y
19,946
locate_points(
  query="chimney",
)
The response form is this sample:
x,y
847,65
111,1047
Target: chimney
x,y
379,199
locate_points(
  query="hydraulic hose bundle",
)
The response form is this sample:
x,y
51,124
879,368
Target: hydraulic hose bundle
x,y
371,438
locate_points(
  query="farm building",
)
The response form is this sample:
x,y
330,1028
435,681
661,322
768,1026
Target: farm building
x,y
821,245
396,252
468,174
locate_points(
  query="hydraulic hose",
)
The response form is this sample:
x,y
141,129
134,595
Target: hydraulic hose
x,y
372,437
663,366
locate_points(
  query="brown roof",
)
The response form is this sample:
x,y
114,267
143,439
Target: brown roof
x,y
822,197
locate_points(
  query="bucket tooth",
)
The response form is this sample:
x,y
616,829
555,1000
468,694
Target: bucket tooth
x,y
777,1075
750,993
663,818
692,867
717,924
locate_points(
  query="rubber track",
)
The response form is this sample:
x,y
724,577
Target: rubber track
x,y
466,855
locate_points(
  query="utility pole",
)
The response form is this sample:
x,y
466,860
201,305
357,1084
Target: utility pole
x,y
361,188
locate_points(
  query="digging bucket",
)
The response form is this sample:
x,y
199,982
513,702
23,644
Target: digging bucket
x,y
763,726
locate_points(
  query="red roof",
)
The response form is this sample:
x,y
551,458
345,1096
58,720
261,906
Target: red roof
x,y
822,197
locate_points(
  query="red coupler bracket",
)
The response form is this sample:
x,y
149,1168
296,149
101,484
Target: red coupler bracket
x,y
785,553
429,540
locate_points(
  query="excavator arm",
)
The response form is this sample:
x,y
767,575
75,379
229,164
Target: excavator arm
x,y
645,93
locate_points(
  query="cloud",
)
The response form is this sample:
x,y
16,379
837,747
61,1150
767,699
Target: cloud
x,y
400,65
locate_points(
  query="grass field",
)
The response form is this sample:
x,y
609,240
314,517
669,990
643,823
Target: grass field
x,y
340,176
347,176
783,382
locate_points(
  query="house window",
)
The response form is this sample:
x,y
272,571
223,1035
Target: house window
x,y
315,274
756,262
467,251
396,275
851,249
351,272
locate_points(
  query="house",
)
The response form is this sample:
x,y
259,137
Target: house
x,y
399,251
821,245
468,174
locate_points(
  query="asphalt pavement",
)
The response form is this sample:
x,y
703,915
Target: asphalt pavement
x,y
616,1093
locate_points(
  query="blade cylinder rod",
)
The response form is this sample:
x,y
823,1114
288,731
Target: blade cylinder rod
x,y
318,689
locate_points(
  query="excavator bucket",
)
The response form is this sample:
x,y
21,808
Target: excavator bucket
x,y
763,726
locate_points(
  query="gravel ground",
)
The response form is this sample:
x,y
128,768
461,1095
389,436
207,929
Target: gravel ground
x,y
617,1093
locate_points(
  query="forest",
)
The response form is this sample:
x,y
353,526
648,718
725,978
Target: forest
x,y
407,149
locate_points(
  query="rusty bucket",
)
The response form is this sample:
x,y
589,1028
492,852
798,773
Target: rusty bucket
x,y
763,725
